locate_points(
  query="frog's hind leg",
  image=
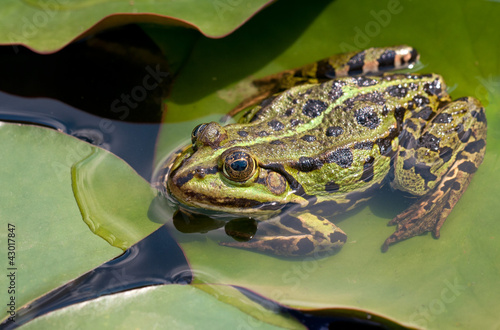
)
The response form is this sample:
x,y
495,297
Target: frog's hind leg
x,y
295,235
438,166
369,61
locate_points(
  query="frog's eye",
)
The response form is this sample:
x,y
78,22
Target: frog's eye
x,y
238,165
196,131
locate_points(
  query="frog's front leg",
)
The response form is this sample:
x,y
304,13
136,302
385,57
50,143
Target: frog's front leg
x,y
437,161
294,235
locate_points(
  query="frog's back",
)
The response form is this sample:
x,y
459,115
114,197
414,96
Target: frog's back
x,y
336,134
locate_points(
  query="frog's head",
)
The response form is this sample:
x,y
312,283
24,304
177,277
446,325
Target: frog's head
x,y
217,174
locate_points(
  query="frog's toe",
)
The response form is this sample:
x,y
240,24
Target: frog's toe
x,y
427,215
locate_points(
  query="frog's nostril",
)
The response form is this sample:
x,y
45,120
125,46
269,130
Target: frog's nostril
x,y
179,179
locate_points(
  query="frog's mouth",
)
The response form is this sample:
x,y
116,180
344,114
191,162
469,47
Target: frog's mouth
x,y
215,203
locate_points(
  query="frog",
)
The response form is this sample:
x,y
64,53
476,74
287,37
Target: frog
x,y
323,139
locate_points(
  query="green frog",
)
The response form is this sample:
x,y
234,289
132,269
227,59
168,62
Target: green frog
x,y
322,140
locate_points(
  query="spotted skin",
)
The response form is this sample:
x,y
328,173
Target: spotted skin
x,y
372,60
295,235
316,150
451,167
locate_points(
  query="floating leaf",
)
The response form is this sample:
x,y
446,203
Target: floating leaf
x,y
53,245
114,201
46,26
166,307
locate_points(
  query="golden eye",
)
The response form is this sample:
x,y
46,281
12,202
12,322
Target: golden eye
x,y
238,165
196,131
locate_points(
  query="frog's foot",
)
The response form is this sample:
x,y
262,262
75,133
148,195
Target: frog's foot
x,y
425,215
438,166
430,212
301,235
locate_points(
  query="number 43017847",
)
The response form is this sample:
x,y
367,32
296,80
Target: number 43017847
x,y
11,244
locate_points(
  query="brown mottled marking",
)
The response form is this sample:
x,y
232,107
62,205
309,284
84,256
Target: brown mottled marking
x,y
372,60
299,235
242,133
304,246
334,131
307,164
338,237
342,157
332,186
308,138
403,58
370,66
263,133
431,211
276,125
294,224
367,174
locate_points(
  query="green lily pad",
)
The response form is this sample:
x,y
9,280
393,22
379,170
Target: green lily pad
x,y
421,282
53,245
166,307
47,26
113,199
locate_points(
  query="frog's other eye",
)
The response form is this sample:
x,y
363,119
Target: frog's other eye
x,y
238,165
211,135
196,132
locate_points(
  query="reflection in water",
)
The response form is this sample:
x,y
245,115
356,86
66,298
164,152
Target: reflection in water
x,y
326,318
195,223
133,142
241,229
119,74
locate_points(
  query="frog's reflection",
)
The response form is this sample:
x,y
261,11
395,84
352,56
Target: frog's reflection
x,y
241,229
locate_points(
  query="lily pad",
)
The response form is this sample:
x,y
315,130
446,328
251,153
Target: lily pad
x,y
53,245
113,200
47,26
166,307
450,282
422,281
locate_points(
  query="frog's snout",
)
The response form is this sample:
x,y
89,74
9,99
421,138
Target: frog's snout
x,y
174,183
